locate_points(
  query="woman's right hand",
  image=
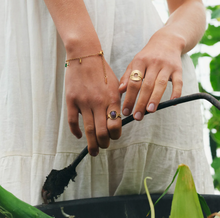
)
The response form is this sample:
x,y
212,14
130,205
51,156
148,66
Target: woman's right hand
x,y
88,94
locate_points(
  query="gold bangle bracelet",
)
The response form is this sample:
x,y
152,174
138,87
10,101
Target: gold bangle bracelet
x,y
101,53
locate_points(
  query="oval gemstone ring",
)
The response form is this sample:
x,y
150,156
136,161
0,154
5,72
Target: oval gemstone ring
x,y
113,115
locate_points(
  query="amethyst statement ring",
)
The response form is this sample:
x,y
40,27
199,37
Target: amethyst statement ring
x,y
136,75
113,115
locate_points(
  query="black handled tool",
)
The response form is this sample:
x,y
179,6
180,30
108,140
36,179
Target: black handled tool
x,y
57,180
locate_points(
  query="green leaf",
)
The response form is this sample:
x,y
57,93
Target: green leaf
x,y
213,146
4,213
216,164
215,72
216,14
215,11
18,208
211,35
215,112
216,137
185,201
166,190
214,121
204,205
198,55
213,8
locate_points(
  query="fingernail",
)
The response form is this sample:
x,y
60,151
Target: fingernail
x,y
94,153
126,111
121,85
151,107
138,116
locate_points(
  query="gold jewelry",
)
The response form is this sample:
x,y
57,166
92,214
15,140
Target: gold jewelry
x,y
136,75
113,115
101,53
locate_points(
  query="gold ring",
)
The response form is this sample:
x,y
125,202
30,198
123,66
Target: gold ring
x,y
136,75
113,115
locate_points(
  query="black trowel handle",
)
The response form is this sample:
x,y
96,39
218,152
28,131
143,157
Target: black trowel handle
x,y
162,105
82,154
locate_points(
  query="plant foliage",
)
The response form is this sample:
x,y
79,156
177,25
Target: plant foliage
x,y
210,38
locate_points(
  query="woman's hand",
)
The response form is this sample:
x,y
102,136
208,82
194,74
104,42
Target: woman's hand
x,y
88,94
159,61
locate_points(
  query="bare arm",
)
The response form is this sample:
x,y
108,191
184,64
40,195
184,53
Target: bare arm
x,y
86,91
188,20
74,26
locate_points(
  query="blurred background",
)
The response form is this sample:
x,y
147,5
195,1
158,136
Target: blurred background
x,y
206,59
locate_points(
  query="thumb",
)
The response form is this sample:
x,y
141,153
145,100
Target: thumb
x,y
124,80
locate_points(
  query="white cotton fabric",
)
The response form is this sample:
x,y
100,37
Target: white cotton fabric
x,y
34,132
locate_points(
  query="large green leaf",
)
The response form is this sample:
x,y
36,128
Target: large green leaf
x,y
198,55
211,36
215,72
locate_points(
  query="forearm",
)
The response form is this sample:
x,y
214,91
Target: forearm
x,y
74,26
186,22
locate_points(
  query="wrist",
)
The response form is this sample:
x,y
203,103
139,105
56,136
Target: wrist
x,y
80,46
171,39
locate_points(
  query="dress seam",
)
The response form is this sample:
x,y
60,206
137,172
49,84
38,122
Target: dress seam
x,y
151,143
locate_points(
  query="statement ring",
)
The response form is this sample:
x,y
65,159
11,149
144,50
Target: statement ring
x,y
136,75
113,115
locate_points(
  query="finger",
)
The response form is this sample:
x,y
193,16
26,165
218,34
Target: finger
x,y
159,88
133,88
73,120
102,134
90,132
124,80
114,123
177,84
145,92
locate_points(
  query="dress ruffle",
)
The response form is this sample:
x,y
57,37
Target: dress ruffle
x,y
112,172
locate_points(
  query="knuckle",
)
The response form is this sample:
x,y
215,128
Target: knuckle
x,y
156,60
73,122
98,99
162,81
102,133
178,68
139,58
104,145
140,106
71,96
148,85
115,100
133,85
90,129
179,82
114,127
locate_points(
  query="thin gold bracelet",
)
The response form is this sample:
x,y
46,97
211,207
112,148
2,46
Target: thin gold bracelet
x,y
101,53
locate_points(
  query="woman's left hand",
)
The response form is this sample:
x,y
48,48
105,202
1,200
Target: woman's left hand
x,y
158,62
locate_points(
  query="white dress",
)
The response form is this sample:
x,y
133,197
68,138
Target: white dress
x,y
34,132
